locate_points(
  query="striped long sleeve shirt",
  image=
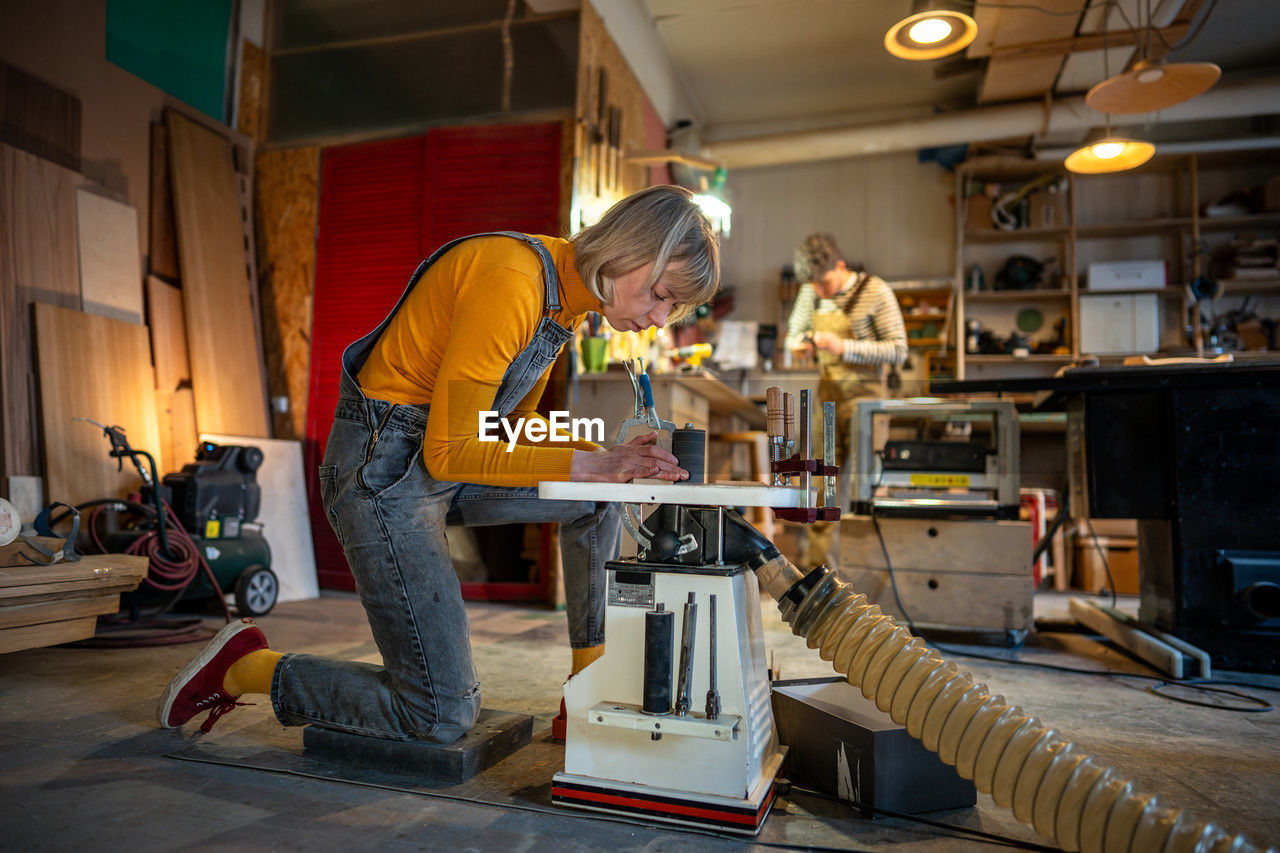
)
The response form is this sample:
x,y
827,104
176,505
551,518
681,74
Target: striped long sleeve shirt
x,y
878,335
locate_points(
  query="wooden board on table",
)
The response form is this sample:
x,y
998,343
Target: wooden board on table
x,y
98,368
39,261
286,524
226,365
110,268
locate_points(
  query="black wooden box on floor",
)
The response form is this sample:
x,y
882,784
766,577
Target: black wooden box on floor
x,y
496,735
843,745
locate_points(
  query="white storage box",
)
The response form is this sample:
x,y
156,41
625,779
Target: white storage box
x,y
1119,323
1128,275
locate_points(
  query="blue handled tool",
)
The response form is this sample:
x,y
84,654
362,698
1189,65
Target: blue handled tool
x,y
644,412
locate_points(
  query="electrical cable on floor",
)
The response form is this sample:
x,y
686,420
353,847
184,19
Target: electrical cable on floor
x,y
1262,704
1106,564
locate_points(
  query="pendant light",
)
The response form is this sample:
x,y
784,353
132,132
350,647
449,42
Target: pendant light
x,y
1152,84
933,29
1109,153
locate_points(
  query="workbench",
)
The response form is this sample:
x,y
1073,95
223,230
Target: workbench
x,y
697,397
1190,450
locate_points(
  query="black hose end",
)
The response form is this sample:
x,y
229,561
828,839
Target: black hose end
x,y
801,588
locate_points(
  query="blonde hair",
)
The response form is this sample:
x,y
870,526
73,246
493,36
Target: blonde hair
x,y
817,256
662,225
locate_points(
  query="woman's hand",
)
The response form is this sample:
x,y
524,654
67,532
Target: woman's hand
x,y
641,457
829,342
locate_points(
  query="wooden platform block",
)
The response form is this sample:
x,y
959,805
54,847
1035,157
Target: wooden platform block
x,y
496,735
970,574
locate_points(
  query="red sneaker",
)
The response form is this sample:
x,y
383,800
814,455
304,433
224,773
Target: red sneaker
x,y
199,687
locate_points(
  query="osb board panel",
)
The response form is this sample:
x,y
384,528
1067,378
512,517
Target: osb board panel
x,y
226,369
252,73
39,260
288,200
99,368
110,268
168,335
162,241
285,523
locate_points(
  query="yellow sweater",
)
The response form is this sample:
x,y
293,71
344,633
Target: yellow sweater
x,y
452,340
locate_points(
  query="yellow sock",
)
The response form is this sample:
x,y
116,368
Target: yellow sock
x,y
582,658
252,673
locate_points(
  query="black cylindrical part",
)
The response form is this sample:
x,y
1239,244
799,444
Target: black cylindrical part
x,y
659,651
689,446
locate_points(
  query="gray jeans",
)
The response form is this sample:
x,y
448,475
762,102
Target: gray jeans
x,y
390,516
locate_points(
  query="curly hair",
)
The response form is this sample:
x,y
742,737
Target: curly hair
x,y
817,255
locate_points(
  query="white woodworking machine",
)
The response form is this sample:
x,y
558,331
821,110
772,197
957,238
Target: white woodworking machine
x,y
674,722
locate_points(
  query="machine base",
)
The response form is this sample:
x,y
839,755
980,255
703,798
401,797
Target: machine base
x,y
744,816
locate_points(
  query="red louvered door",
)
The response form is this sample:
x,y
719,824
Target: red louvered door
x,y
384,206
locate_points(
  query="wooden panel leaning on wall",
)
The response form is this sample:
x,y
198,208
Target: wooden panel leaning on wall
x,y
98,368
222,339
39,260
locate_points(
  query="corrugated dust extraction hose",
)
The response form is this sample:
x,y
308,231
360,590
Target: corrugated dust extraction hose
x,y
1050,783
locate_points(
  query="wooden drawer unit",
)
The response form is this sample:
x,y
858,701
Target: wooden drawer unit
x,y
970,574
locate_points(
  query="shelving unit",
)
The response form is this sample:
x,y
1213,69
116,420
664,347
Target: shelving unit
x,y
1155,212
927,316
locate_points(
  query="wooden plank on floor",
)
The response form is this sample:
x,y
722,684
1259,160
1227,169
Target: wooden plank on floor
x,y
226,367
110,266
56,611
39,261
47,634
98,368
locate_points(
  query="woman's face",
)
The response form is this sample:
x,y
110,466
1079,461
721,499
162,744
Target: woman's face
x,y
636,306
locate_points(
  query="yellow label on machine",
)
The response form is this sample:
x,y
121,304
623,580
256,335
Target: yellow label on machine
x,y
212,528
941,481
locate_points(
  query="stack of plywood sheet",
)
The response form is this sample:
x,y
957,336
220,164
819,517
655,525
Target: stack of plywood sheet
x,y
47,605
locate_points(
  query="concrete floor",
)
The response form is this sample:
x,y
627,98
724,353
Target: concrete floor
x,y
83,765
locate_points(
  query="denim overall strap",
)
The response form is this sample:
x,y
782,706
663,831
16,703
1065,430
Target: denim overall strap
x,y
353,357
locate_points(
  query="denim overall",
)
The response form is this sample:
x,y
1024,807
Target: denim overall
x,y
390,514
